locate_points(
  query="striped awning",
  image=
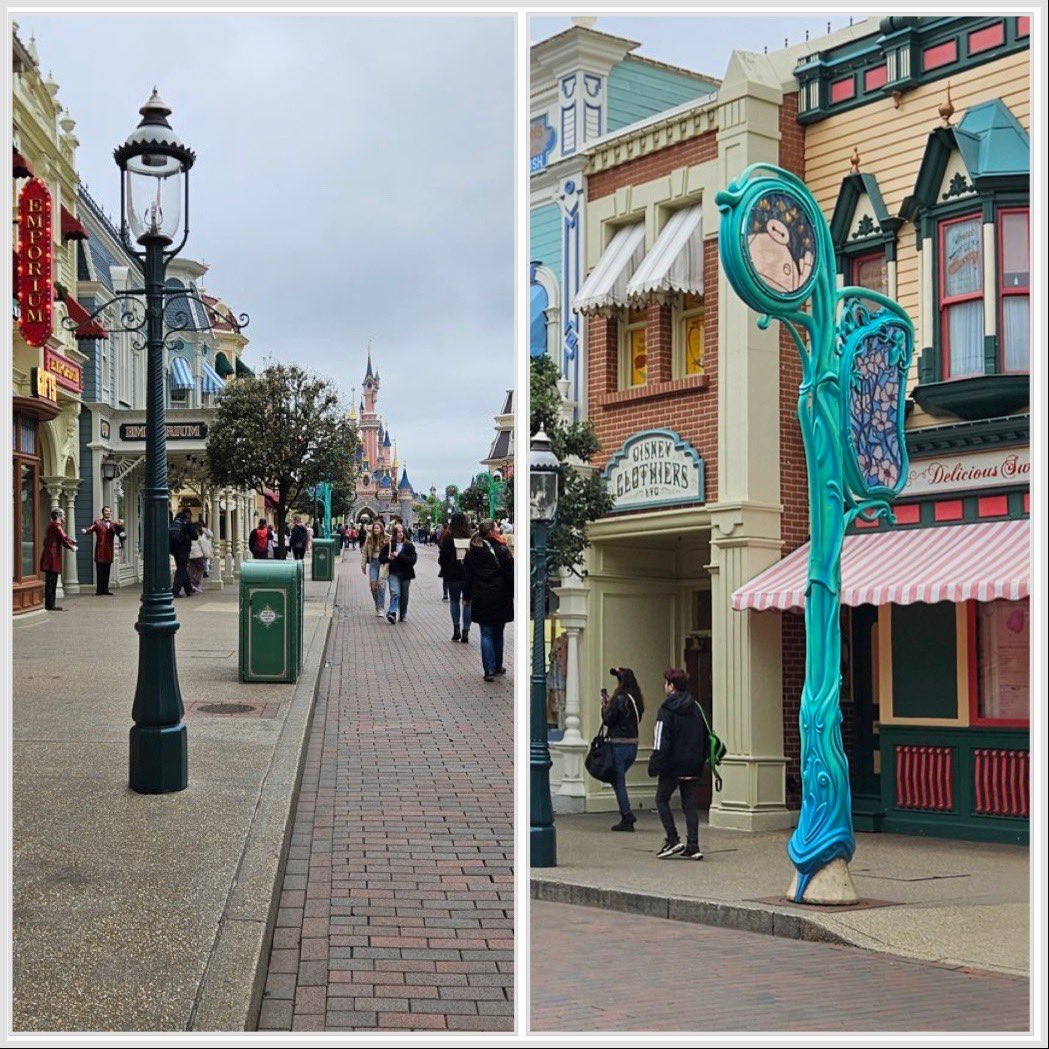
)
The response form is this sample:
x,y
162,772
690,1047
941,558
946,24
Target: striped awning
x,y
210,380
675,263
970,562
181,374
606,286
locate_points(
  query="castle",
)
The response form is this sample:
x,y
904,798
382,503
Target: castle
x,y
378,491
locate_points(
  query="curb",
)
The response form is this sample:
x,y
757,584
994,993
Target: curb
x,y
230,993
741,917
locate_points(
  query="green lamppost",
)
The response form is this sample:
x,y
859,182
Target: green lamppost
x,y
544,470
154,208
855,347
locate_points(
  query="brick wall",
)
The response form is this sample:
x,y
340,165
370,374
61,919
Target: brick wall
x,y
654,165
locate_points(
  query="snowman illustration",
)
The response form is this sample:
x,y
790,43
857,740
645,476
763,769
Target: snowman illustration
x,y
780,243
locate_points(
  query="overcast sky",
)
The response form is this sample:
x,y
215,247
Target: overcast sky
x,y
354,181
701,43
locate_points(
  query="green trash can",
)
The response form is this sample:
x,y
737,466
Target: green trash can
x,y
323,570
271,612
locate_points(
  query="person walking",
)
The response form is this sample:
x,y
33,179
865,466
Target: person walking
x,y
450,557
377,573
207,546
299,539
51,558
259,541
621,715
488,570
180,538
679,752
198,561
106,532
400,556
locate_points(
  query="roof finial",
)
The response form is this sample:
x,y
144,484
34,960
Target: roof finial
x,y
947,108
855,161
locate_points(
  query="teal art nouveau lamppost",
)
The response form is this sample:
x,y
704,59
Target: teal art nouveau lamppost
x,y
855,347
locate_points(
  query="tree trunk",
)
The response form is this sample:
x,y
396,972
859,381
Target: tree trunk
x,y
281,552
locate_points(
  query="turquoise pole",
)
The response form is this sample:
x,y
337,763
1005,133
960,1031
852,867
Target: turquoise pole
x,y
777,253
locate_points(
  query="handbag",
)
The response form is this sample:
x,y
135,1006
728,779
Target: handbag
x,y
716,750
599,759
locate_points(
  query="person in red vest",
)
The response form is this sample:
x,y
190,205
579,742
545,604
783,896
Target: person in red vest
x,y
51,558
105,530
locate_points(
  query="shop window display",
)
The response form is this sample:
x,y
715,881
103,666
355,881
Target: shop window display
x,y
1002,658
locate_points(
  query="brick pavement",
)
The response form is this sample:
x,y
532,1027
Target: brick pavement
x,y
396,910
598,970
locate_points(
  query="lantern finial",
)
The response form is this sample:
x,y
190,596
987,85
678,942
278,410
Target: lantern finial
x,y
947,108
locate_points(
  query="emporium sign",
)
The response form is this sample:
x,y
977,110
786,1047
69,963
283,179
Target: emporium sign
x,y
959,473
68,374
35,263
655,468
173,431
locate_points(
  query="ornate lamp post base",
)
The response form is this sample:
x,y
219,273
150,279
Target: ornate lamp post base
x,y
158,759
830,886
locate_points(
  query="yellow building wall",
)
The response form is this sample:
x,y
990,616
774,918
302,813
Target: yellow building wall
x,y
891,143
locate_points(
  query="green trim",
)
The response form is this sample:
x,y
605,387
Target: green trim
x,y
900,37
961,821
974,434
977,397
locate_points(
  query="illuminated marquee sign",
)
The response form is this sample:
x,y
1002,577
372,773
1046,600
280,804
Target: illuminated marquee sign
x,y
173,431
35,263
69,374
44,385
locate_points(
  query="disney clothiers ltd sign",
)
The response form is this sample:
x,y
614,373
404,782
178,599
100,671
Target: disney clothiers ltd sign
x,y
655,468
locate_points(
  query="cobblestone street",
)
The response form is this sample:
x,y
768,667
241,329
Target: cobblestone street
x,y
397,903
598,970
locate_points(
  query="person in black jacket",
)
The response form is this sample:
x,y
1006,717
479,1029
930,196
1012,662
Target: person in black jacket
x,y
181,536
400,555
298,539
488,569
454,545
621,715
679,752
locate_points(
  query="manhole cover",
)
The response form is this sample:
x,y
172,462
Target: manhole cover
x,y
226,708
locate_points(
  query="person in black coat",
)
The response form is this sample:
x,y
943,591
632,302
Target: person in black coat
x,y
621,715
181,536
679,752
488,570
454,545
399,553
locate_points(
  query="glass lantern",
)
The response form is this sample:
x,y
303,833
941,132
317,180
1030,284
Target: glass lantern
x,y
543,469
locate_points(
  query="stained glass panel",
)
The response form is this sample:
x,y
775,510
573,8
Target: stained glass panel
x,y
694,345
874,406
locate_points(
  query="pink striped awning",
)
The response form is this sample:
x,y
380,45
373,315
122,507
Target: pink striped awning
x,y
970,562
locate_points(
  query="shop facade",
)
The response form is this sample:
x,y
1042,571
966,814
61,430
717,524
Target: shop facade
x,y
48,335
934,211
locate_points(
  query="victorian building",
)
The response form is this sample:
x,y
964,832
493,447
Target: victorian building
x,y
694,407
379,492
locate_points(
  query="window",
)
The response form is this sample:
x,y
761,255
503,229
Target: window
x,y
1014,284
688,338
961,296
633,367
869,271
1003,649
539,301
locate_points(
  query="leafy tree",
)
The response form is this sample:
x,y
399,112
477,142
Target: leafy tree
x,y
474,500
581,493
283,430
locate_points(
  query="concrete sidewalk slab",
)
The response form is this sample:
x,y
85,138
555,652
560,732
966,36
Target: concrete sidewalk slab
x,y
952,902
136,912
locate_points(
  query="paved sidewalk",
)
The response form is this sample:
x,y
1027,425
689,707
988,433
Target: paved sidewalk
x,y
952,902
138,912
595,970
397,902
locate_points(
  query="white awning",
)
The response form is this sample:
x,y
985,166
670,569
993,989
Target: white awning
x,y
181,374
606,286
675,263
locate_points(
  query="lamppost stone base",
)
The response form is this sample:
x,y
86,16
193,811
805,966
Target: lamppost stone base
x,y
830,886
158,758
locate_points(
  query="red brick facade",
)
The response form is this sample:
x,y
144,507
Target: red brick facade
x,y
654,165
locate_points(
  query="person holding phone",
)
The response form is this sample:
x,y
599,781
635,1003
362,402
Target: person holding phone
x,y
621,715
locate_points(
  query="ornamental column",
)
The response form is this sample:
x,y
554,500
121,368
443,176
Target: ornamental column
x,y
227,543
215,567
571,749
70,576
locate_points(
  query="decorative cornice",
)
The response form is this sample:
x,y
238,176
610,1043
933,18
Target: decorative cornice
x,y
980,433
699,118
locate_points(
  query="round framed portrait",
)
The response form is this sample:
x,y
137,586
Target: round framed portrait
x,y
779,244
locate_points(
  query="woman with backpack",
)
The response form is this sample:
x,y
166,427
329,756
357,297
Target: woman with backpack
x,y
259,541
399,556
450,557
372,567
679,751
621,715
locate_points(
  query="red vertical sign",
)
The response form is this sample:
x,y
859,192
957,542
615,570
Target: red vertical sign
x,y
35,263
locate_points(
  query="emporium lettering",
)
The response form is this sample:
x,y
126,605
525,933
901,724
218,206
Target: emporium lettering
x,y
35,263
173,431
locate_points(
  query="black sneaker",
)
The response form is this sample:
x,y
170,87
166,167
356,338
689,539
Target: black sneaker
x,y
391,618
456,636
670,848
499,671
624,824
692,853
465,639
489,677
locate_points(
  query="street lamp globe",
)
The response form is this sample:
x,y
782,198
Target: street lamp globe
x,y
154,186
543,470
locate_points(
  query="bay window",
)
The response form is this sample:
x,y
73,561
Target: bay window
x,y
1014,284
961,296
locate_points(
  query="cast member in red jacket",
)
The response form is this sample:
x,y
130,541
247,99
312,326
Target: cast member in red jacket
x,y
51,558
105,530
